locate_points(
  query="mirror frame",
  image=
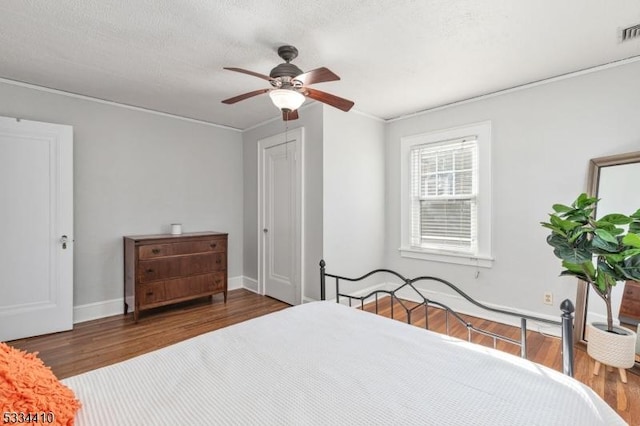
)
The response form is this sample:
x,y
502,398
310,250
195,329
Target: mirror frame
x,y
595,165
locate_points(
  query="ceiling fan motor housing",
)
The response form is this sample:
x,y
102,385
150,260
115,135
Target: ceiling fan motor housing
x,y
285,70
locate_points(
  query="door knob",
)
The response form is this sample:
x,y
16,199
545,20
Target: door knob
x,y
64,239
265,230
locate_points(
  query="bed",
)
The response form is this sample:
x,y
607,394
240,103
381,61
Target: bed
x,y
326,363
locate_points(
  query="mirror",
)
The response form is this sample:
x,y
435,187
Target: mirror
x,y
612,180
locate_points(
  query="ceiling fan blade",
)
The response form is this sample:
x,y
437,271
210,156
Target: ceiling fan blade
x,y
290,115
319,75
329,99
255,74
244,96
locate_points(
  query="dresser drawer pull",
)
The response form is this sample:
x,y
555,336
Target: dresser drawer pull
x,y
149,293
149,270
218,261
155,251
213,245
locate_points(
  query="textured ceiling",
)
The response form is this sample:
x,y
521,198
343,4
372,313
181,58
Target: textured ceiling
x,y
394,57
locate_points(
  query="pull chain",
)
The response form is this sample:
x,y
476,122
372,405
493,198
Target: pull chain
x,y
286,135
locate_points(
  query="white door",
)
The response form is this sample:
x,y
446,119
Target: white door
x,y
36,194
280,223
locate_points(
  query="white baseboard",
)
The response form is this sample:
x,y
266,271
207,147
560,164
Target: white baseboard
x,y
250,284
108,308
458,304
96,310
234,283
364,292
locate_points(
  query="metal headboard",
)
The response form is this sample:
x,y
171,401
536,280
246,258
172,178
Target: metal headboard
x,y
566,307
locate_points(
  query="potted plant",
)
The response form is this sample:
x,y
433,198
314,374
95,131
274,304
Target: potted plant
x,y
601,252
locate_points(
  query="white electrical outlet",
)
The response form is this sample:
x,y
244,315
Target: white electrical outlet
x,y
548,298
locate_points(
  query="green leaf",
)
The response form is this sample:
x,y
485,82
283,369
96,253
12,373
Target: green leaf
x,y
601,245
561,208
589,270
577,253
578,216
634,227
615,231
606,226
601,283
615,219
630,252
636,215
584,271
583,201
564,225
577,234
554,225
614,258
632,240
606,236
632,267
573,267
580,200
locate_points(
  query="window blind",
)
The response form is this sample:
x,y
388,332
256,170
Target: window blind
x,y
444,195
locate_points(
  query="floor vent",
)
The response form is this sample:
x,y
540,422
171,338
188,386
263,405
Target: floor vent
x,y
630,33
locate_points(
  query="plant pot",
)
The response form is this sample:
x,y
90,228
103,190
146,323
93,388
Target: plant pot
x,y
614,349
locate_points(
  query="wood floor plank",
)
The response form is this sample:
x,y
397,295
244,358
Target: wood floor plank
x,y
102,342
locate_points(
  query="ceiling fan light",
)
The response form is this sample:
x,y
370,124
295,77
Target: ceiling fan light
x,y
286,99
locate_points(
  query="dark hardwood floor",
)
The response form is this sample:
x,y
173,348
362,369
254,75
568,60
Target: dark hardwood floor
x,y
98,343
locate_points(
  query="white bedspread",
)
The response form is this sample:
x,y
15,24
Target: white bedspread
x,y
323,363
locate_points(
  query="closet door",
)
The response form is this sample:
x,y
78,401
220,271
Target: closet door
x,y
280,218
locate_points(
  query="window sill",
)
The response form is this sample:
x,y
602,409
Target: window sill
x,y
447,257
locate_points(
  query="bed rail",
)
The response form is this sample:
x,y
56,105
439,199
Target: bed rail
x,y
566,322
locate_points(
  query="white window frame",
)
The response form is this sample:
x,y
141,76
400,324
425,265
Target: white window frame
x,y
482,256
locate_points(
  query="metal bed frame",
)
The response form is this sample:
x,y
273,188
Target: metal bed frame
x,y
566,322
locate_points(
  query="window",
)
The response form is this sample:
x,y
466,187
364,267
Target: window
x,y
443,195
446,195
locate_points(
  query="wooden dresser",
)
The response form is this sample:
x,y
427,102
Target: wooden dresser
x,y
630,306
164,269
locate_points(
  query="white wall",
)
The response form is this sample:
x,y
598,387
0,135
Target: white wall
x,y
135,173
543,138
311,120
353,200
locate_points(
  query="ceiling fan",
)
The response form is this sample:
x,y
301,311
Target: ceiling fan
x,y
290,86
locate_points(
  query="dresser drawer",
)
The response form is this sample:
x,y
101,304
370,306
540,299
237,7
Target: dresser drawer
x,y
151,293
188,247
197,285
178,266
